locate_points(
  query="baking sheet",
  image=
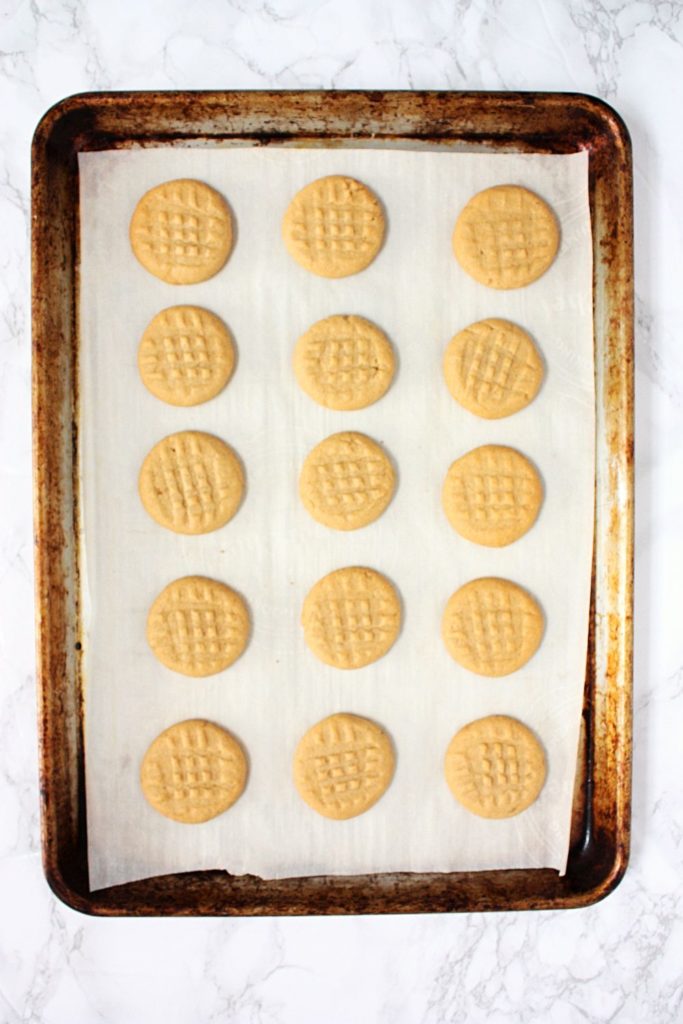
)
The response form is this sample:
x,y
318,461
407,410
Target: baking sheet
x,y
272,551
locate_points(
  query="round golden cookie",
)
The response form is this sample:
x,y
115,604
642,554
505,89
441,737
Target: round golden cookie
x,y
191,482
186,355
493,368
198,626
347,481
495,767
181,231
193,771
351,617
334,226
344,362
343,765
506,237
492,626
492,495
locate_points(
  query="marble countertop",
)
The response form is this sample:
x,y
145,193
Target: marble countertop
x,y
618,961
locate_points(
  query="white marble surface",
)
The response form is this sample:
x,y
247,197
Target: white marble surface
x,y
619,961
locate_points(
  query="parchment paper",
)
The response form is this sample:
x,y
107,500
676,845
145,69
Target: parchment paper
x,y
272,552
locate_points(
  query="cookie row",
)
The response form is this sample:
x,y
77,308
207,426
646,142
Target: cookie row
x,y
344,362
182,232
195,770
192,482
350,618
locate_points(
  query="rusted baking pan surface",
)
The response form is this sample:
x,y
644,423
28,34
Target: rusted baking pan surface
x,y
516,122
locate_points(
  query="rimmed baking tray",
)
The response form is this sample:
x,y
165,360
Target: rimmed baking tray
x,y
515,122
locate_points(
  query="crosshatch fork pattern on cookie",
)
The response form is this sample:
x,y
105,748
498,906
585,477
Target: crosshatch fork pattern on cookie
x,y
183,225
187,474
198,626
344,362
495,491
495,772
182,351
352,617
495,766
494,365
353,626
190,768
348,485
334,226
343,765
333,220
506,237
345,768
195,482
510,235
346,481
491,624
